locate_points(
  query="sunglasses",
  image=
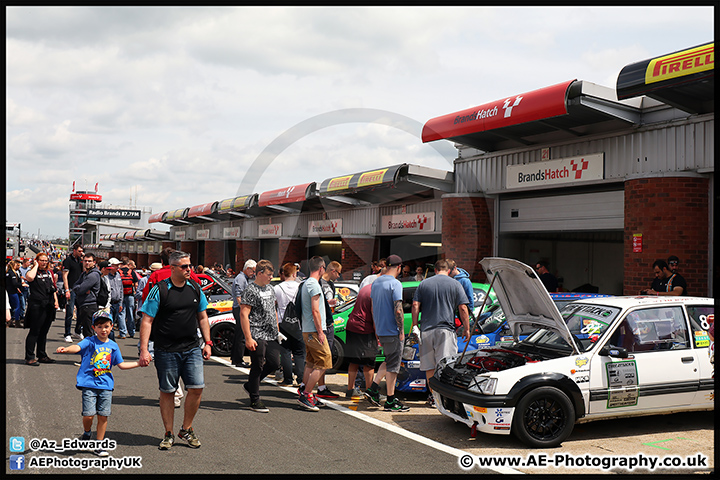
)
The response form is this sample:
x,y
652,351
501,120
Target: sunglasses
x,y
673,263
184,267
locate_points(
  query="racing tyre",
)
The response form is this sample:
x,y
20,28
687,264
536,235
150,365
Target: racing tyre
x,y
223,337
338,355
544,418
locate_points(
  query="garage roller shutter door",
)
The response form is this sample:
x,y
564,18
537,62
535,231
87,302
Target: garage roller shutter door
x,y
582,212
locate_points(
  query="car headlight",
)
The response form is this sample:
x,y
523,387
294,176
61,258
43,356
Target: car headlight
x,y
484,385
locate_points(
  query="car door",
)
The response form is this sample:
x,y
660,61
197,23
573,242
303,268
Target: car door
x,y
700,316
662,368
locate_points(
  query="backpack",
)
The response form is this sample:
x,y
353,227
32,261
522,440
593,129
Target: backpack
x,y
291,324
103,294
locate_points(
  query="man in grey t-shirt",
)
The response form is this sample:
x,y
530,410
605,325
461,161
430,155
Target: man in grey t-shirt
x,y
437,298
242,280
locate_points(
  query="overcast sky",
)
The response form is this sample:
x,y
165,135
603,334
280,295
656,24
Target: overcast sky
x,y
177,103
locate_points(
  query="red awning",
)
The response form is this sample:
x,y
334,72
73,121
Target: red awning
x,y
539,104
156,217
204,209
281,196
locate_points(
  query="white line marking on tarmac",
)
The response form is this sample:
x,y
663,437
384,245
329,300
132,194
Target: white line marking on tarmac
x,y
379,423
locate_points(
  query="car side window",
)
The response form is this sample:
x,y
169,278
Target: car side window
x,y
651,329
700,318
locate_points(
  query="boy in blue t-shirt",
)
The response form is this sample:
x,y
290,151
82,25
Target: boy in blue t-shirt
x,y
94,379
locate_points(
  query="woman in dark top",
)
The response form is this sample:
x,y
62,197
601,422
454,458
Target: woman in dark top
x,y
13,283
42,304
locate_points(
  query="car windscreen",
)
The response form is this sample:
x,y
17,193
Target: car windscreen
x,y
588,323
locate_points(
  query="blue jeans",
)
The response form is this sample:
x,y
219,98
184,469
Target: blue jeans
x,y
126,319
96,402
115,312
69,314
15,305
171,366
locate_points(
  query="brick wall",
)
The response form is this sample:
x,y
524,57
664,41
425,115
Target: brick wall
x,y
291,250
467,231
671,213
246,250
192,249
214,252
359,254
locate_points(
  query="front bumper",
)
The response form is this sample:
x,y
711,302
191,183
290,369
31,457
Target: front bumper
x,y
489,413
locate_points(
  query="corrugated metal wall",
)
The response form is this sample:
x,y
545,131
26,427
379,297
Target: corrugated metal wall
x,y
683,146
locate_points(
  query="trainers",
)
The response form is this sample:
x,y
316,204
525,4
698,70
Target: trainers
x,y
396,406
355,393
306,401
68,339
326,393
190,437
259,406
100,452
431,401
167,441
177,401
373,397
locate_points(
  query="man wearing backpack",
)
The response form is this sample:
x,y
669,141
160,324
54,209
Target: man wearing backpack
x,y
172,312
126,319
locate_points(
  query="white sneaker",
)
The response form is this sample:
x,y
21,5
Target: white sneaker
x,y
68,339
177,402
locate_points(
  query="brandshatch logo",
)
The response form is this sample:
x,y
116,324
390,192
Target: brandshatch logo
x,y
578,169
508,108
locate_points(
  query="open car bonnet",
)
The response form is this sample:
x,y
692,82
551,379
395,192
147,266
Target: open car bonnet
x,y
523,298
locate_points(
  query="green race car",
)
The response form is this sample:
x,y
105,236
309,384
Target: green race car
x,y
342,313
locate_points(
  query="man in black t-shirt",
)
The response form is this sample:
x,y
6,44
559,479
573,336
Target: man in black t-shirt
x,y
666,282
548,279
72,268
172,312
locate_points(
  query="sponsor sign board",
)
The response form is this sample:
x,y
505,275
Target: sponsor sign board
x,y
272,230
202,234
556,172
325,228
231,232
114,213
408,223
680,64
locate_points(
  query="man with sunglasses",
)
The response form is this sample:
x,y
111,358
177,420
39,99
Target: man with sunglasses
x,y
172,313
673,262
86,289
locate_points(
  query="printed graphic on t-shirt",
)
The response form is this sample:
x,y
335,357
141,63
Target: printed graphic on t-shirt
x,y
101,361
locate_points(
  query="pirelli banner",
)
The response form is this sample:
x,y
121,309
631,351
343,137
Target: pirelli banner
x,y
676,68
384,177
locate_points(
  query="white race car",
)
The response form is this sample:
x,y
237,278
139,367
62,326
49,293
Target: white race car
x,y
597,359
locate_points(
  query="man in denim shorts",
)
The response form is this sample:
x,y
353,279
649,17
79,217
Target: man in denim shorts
x,y
172,313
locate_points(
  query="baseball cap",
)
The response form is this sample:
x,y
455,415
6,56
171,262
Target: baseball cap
x,y
103,264
155,266
101,316
393,261
114,261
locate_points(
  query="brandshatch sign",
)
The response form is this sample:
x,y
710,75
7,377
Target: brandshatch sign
x,y
114,213
556,172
